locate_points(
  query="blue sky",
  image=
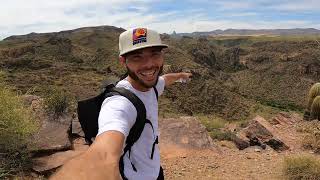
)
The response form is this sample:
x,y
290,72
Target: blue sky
x,y
23,17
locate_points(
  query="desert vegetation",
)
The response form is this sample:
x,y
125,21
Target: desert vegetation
x,y
56,101
301,167
235,78
16,127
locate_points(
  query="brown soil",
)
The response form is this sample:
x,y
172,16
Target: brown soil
x,y
230,163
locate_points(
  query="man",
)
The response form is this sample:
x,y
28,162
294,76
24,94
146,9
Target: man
x,y
141,54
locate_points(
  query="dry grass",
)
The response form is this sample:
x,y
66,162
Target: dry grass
x,y
16,127
302,167
311,138
56,101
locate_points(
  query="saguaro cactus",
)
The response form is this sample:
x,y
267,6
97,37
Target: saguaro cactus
x,y
315,108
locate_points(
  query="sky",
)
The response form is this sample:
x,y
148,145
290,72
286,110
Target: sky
x,y
19,17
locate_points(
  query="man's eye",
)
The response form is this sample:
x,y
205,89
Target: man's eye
x,y
156,54
136,57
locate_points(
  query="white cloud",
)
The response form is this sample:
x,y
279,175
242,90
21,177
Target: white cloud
x,y
232,5
301,5
241,14
22,17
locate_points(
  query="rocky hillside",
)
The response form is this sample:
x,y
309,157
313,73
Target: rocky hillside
x,y
253,32
233,77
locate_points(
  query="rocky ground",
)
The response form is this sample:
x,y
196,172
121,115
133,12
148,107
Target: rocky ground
x,y
187,151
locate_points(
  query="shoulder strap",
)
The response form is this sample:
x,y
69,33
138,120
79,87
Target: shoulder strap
x,y
138,126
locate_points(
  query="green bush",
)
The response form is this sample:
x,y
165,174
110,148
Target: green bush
x,y
214,127
56,101
302,167
16,127
222,135
211,122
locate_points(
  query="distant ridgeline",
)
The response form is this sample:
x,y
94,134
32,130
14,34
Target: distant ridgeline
x,y
251,32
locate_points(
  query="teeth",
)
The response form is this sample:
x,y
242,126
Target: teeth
x,y
148,73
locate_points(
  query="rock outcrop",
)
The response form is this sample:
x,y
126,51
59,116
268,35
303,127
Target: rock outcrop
x,y
275,133
52,145
53,134
186,132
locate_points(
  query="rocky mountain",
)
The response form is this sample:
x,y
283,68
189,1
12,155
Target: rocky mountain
x,y
233,78
251,32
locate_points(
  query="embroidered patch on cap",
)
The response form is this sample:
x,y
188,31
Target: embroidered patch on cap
x,y
139,36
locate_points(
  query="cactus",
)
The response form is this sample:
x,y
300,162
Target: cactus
x,y
314,91
315,108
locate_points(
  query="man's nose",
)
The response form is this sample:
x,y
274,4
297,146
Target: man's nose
x,y
148,61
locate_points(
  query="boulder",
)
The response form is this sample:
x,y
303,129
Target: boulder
x,y
285,119
260,132
185,132
53,134
76,127
45,164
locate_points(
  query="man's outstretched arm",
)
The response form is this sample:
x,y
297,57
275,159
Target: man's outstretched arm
x,y
99,162
171,78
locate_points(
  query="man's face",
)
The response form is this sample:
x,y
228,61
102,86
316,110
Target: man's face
x,y
144,66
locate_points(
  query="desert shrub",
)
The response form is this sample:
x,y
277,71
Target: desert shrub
x,y
222,135
56,101
16,127
211,122
311,138
313,92
312,141
302,167
214,125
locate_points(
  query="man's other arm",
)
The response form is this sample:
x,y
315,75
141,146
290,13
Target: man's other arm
x,y
171,78
99,162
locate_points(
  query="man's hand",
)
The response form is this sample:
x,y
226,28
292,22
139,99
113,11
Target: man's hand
x,y
174,77
99,162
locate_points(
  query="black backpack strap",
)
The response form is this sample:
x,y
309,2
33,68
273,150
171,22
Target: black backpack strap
x,y
138,126
153,146
161,175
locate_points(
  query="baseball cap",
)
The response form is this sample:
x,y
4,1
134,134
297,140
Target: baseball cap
x,y
139,38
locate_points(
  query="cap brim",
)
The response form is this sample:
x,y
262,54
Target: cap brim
x,y
145,46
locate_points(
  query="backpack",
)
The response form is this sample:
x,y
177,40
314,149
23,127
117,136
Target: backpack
x,y
88,114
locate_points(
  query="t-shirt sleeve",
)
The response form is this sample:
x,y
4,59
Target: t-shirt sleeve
x,y
160,85
117,113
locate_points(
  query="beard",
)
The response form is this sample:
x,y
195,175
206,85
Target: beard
x,y
134,76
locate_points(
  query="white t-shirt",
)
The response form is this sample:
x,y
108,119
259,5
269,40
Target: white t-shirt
x,y
119,114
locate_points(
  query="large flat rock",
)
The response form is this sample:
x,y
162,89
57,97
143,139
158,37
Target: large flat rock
x,y
53,134
186,132
46,164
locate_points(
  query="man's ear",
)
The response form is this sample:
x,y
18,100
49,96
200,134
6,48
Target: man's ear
x,y
122,60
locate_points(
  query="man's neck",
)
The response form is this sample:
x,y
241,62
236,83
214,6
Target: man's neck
x,y
136,85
